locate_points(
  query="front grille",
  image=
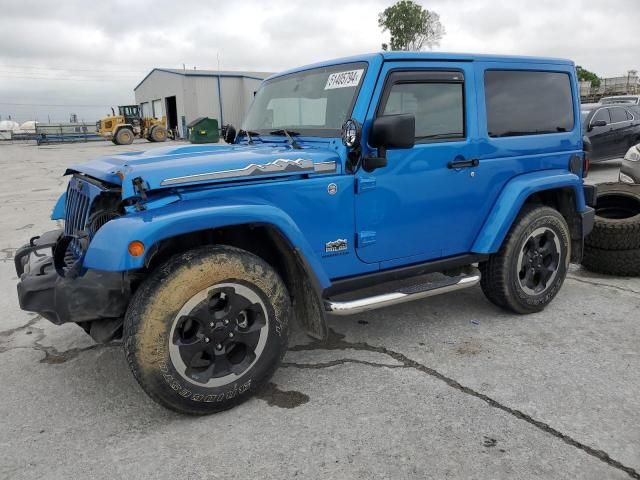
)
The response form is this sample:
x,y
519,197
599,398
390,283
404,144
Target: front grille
x,y
77,209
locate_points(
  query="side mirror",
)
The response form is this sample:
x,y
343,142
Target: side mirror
x,y
389,131
393,131
597,123
228,133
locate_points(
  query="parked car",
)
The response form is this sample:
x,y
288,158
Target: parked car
x,y
611,129
630,167
345,174
632,99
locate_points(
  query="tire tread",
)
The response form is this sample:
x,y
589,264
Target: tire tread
x,y
494,280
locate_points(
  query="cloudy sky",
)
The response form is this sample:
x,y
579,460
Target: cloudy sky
x,y
77,56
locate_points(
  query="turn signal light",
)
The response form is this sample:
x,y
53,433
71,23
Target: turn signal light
x,y
136,248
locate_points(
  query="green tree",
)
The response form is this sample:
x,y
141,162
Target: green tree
x,y
586,75
411,26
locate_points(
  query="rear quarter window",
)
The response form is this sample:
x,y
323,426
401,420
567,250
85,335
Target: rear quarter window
x,y
527,103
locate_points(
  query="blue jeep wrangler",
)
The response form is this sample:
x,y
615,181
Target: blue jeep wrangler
x,y
352,185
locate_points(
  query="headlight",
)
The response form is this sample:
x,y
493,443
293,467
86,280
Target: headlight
x,y
633,154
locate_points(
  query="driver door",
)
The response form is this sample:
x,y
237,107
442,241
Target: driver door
x,y
429,201
602,138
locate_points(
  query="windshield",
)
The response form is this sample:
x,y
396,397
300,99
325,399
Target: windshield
x,y
314,102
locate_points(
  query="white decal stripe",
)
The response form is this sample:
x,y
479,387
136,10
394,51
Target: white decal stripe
x,y
280,165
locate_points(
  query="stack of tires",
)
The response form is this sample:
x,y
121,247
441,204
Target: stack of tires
x,y
613,247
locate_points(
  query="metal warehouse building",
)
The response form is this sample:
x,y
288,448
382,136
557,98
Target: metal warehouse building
x,y
184,95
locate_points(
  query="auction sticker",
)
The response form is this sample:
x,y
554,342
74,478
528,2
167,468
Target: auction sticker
x,y
350,78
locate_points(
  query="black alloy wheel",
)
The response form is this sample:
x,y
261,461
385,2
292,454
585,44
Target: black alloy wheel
x,y
538,261
218,334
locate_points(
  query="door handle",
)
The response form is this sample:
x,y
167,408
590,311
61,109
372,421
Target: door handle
x,y
472,162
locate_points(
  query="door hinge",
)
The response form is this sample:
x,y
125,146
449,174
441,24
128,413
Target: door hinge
x,y
366,238
365,184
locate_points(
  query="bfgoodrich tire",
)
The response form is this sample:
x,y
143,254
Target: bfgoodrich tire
x,y
624,263
207,329
528,271
617,222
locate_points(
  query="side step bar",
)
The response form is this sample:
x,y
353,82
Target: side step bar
x,y
407,294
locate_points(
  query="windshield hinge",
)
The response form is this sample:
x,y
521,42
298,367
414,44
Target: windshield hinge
x,y
364,184
366,238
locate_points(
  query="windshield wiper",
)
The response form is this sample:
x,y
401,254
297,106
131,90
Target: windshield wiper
x,y
289,135
249,134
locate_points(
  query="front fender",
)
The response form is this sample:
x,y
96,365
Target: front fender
x,y
512,198
108,250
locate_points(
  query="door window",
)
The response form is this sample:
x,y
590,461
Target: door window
x,y
436,99
602,114
618,115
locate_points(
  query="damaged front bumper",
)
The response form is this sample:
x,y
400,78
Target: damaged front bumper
x,y
83,296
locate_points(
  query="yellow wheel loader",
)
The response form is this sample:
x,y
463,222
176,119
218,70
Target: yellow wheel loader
x,y
121,129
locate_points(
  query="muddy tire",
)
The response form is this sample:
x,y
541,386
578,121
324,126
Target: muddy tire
x,y
157,134
207,329
531,265
617,222
623,263
124,136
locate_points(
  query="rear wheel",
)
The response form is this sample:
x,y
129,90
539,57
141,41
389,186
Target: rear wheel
x,y
157,134
528,271
124,136
207,329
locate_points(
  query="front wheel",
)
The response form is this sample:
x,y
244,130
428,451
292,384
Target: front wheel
x,y
157,134
528,271
124,136
207,329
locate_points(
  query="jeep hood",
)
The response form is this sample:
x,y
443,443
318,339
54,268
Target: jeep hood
x,y
169,167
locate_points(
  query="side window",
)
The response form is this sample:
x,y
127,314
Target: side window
x,y
527,103
438,107
603,114
618,115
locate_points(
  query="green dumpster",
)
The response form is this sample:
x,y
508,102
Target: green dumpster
x,y
204,130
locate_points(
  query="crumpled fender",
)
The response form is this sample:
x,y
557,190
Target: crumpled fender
x,y
58,209
512,198
108,250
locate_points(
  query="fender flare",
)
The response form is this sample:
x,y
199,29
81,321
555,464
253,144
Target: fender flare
x,y
512,198
121,126
108,250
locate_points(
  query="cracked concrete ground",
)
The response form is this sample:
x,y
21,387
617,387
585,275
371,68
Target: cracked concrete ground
x,y
449,387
